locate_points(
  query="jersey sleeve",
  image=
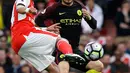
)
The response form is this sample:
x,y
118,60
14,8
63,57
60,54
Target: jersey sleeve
x,y
48,13
92,23
23,2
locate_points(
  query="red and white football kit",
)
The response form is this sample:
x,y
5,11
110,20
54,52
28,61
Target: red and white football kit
x,y
31,43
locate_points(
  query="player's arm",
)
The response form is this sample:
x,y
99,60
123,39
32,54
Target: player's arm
x,y
22,7
89,19
41,16
45,14
23,10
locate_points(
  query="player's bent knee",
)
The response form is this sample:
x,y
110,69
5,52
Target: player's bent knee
x,y
63,39
53,68
64,67
96,65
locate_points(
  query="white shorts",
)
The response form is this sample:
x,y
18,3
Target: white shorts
x,y
38,50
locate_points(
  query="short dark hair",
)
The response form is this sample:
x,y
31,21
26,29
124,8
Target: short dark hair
x,y
124,2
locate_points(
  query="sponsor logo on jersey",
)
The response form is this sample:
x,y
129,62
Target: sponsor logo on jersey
x,y
71,21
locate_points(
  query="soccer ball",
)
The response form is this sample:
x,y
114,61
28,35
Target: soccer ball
x,y
93,51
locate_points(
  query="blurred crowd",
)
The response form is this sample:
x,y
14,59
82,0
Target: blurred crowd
x,y
113,32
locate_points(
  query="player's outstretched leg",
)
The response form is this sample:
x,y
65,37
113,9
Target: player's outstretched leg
x,y
89,66
53,68
64,47
95,67
64,67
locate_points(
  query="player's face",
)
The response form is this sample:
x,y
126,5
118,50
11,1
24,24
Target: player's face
x,y
67,1
126,7
90,3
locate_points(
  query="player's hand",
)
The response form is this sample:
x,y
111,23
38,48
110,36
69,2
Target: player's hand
x,y
33,10
124,26
86,14
54,28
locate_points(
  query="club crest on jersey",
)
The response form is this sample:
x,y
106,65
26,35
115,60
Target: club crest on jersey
x,y
79,12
